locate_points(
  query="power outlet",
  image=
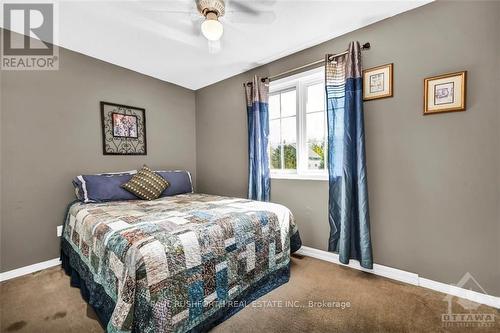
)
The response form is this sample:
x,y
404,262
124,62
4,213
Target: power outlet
x,y
59,230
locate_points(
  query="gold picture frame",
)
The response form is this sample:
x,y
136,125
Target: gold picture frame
x,y
445,93
378,82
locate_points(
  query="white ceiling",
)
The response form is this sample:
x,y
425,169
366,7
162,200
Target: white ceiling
x,y
161,38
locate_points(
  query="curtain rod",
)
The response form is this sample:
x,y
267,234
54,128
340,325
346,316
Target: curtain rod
x,y
365,46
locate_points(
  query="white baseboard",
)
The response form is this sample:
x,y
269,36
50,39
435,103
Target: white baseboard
x,y
29,269
404,276
389,272
471,295
381,270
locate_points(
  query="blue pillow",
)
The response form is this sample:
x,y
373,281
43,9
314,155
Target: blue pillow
x,y
107,186
179,180
103,187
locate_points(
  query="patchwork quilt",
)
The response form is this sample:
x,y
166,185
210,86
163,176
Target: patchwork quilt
x,y
169,264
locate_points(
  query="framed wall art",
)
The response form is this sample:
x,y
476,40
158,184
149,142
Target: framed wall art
x,y
445,93
377,82
123,129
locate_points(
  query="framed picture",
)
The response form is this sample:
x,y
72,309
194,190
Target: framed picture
x,y
445,93
377,82
123,129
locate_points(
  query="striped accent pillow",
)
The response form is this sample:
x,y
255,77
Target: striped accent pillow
x,y
146,184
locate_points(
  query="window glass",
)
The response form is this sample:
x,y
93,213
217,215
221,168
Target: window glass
x,y
316,151
283,130
298,135
288,103
274,106
275,158
316,97
289,141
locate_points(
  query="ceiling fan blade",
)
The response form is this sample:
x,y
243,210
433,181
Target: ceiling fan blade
x,y
160,6
248,6
169,11
243,7
262,17
266,2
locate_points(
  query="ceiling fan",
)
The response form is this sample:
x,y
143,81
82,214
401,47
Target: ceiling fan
x,y
213,10
208,19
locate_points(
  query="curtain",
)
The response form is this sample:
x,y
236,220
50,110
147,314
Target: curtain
x,y
257,96
348,192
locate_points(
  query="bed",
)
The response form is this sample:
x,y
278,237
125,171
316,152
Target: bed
x,y
181,263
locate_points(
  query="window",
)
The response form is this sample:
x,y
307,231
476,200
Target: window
x,y
297,126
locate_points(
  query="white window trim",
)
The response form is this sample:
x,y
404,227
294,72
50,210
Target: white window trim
x,y
299,82
295,176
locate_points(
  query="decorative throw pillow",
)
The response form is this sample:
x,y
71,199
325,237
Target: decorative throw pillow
x,y
103,187
146,184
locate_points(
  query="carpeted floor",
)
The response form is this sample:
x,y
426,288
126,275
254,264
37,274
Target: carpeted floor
x,y
44,302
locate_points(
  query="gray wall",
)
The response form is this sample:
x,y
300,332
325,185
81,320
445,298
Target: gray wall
x,y
433,181
51,132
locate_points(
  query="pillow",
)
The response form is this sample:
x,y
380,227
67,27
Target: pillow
x,y
146,184
103,187
179,180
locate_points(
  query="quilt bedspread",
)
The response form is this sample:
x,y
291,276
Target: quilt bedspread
x,y
169,264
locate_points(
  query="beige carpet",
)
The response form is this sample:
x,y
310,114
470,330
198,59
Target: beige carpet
x,y
44,302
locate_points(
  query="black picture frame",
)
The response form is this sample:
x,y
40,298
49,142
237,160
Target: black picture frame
x,y
122,145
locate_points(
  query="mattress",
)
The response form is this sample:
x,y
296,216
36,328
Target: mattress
x,y
176,264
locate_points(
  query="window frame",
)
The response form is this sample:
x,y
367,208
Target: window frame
x,y
300,82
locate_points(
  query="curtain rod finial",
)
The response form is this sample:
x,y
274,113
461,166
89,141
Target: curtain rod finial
x,y
366,46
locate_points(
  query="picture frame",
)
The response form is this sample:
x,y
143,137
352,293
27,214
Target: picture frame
x,y
123,129
378,82
445,93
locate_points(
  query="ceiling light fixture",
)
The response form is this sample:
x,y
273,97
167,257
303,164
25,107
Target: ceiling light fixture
x,y
211,28
212,10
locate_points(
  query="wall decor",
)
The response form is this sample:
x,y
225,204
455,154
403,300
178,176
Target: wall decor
x,y
123,129
445,93
377,82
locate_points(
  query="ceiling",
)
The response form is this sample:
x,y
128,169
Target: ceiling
x,y
162,38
